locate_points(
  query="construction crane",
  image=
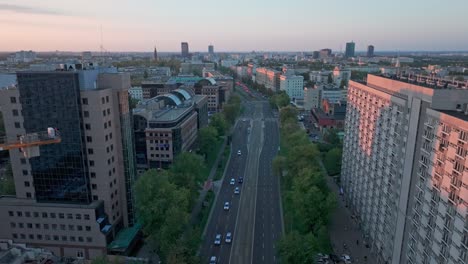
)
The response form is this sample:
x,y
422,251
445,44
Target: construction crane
x,y
31,142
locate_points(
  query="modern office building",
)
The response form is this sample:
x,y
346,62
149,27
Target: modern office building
x,y
349,52
217,93
75,197
152,89
136,92
211,49
404,171
293,85
370,51
167,125
184,49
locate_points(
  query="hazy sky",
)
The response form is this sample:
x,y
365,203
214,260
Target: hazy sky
x,y
233,25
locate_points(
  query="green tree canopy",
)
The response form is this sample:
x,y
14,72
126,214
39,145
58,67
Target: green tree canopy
x,y
207,138
219,122
332,161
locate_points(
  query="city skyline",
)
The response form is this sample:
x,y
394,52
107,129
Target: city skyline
x,y
247,26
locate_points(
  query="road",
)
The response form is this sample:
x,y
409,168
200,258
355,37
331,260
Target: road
x,y
254,217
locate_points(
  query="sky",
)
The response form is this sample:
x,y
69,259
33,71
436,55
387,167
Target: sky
x,y
233,25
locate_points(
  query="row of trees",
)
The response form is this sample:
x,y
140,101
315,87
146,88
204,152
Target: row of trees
x,y
279,100
307,200
164,202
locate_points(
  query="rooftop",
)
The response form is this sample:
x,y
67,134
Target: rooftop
x,y
457,114
427,81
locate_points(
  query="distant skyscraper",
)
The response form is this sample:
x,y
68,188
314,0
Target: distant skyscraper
x,y
211,49
350,49
324,53
370,51
185,49
155,54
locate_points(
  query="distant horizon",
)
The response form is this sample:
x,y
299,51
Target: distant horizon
x,y
227,51
236,26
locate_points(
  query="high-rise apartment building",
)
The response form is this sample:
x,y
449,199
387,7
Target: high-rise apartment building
x,y
370,51
211,49
293,85
405,171
75,196
184,49
350,46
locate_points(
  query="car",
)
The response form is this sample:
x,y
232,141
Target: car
x,y
232,182
217,240
346,259
228,237
236,190
241,180
226,206
213,260
239,152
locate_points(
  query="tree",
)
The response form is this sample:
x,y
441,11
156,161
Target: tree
x,y
162,209
332,161
187,171
207,138
231,111
133,103
145,74
294,248
219,122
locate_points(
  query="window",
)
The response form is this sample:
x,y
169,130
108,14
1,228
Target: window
x,y
80,239
54,226
79,228
95,198
71,227
52,215
93,175
61,215
56,238
69,216
64,238
25,172
15,236
19,213
39,237
94,186
12,225
21,225
91,163
10,213
13,100
37,226
84,101
107,99
110,135
44,215
105,125
46,226
17,125
72,238
103,112
89,239
88,126
14,112
78,216
63,227
86,216
47,237
28,195
108,111
88,228
31,236
23,161
107,137
26,184
89,139
103,100
86,114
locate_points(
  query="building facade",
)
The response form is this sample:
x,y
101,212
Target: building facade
x,y
404,167
269,78
350,46
74,197
184,49
370,51
293,85
136,92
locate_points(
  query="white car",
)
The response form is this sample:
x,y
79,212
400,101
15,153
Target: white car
x,y
233,181
217,239
226,206
346,259
239,152
213,260
236,190
228,237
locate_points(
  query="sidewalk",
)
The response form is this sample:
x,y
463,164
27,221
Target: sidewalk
x,y
345,236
